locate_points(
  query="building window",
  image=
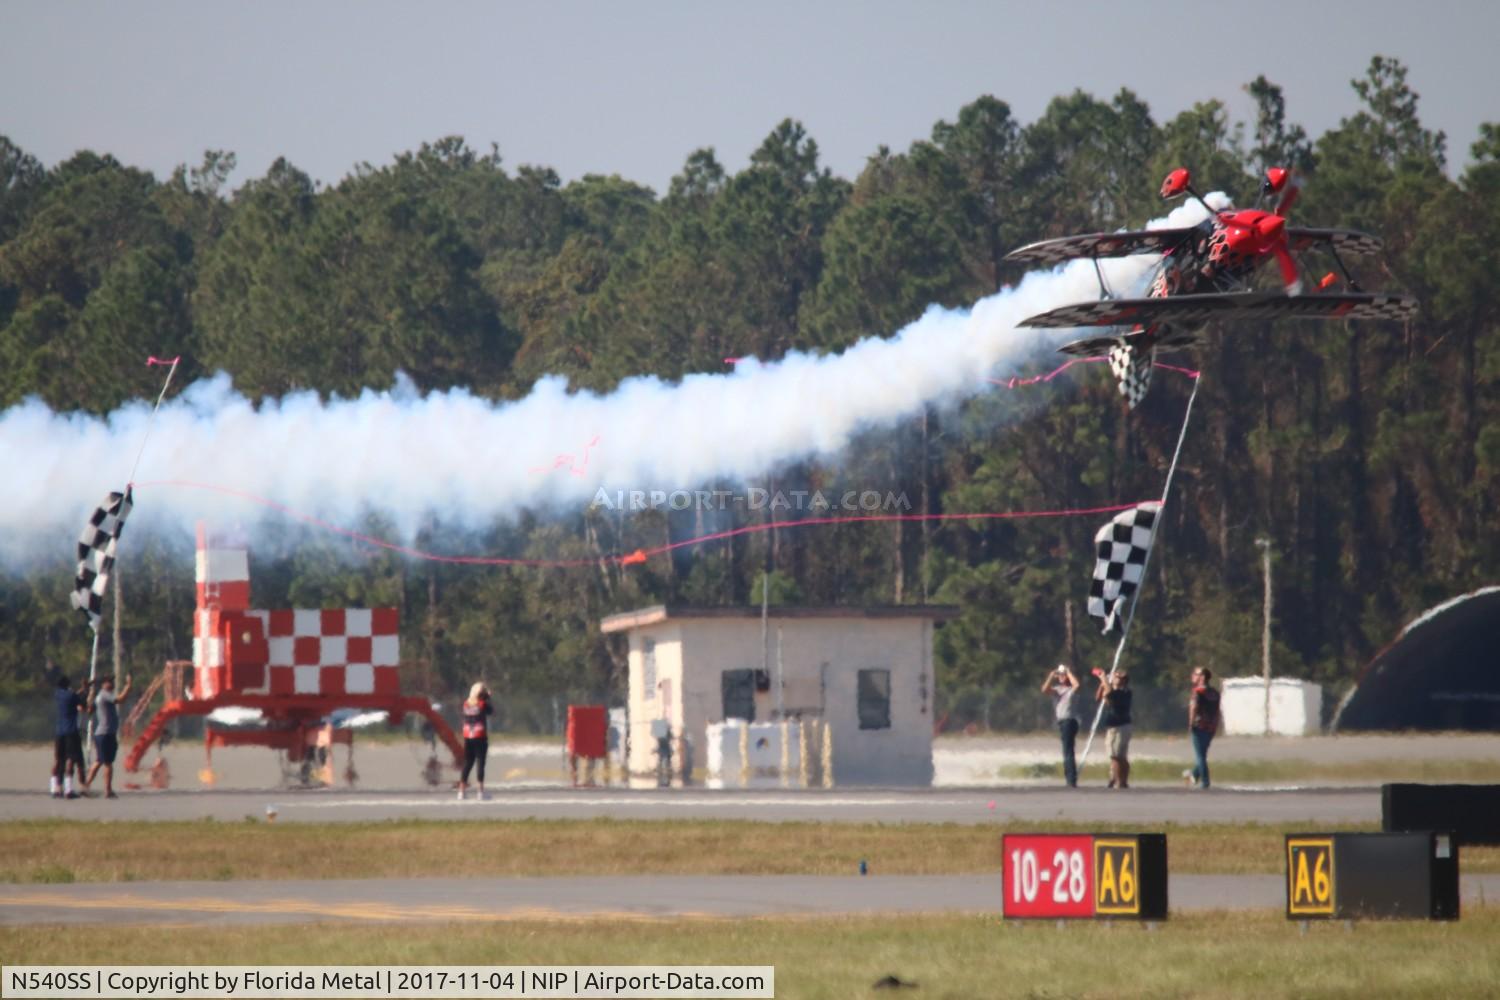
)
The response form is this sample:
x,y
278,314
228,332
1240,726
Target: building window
x,y
738,688
874,699
648,668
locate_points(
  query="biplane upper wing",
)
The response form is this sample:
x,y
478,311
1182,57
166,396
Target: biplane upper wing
x,y
1099,245
1348,241
1229,305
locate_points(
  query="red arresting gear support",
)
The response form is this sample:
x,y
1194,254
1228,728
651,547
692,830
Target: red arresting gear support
x,y
295,666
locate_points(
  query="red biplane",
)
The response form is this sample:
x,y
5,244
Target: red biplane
x,y
1205,274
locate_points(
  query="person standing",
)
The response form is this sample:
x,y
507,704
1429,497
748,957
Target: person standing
x,y
1114,691
476,712
1204,721
1062,685
67,747
106,709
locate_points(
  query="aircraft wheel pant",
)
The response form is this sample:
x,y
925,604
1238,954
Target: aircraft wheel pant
x,y
1393,876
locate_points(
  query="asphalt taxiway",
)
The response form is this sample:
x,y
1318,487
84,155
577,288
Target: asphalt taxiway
x,y
967,805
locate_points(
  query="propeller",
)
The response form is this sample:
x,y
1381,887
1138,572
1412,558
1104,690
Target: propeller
x,y
1280,180
1271,231
1257,232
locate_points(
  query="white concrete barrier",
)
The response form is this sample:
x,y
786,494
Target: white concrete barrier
x,y
1296,706
753,755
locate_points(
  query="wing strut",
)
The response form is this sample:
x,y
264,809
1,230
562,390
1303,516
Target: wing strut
x,y
1104,292
1348,278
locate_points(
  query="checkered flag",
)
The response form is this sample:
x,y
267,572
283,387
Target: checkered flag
x,y
96,554
1123,544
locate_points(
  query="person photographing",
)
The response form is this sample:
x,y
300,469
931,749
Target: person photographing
x,y
1062,685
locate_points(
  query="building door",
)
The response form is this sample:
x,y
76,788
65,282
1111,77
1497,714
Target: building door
x,y
874,693
738,687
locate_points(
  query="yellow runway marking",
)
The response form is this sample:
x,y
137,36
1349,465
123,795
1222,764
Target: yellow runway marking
x,y
357,910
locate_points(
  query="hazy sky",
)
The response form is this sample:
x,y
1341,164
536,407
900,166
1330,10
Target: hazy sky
x,y
633,88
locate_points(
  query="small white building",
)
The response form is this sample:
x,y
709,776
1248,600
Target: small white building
x,y
1296,706
864,672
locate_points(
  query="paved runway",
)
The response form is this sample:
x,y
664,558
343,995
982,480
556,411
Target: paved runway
x,y
968,805
958,761
604,897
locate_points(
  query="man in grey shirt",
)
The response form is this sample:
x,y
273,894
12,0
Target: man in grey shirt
x,y
106,711
1062,685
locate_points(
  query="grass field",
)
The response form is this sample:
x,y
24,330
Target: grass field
x,y
62,851
1191,955
1206,955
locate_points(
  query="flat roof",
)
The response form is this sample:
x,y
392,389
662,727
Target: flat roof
x,y
626,620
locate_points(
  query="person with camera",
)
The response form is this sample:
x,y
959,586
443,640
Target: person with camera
x,y
476,712
1062,685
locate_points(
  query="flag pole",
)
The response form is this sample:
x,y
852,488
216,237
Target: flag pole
x,y
1145,565
171,364
89,743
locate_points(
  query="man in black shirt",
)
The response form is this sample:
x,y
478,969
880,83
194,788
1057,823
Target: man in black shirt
x,y
1115,692
68,745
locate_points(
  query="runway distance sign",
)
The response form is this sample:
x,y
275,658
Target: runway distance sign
x,y
1390,876
1084,876
1117,865
1309,876
1048,876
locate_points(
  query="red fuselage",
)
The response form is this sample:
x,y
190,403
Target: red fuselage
x,y
1231,246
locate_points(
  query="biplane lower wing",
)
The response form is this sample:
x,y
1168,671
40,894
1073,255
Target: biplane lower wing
x,y
1229,305
1173,339
1066,248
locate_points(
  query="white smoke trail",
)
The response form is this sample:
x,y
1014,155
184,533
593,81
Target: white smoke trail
x,y
469,460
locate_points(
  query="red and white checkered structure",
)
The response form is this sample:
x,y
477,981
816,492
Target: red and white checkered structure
x,y
243,650
295,666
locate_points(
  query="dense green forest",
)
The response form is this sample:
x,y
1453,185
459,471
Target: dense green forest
x,y
1369,455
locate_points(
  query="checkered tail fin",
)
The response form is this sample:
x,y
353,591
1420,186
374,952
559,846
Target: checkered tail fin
x,y
1131,366
1122,545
